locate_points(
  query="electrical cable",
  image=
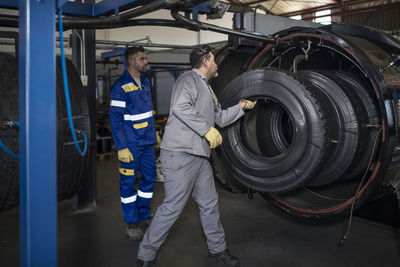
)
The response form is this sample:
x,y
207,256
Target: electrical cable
x,y
344,238
5,148
197,26
66,91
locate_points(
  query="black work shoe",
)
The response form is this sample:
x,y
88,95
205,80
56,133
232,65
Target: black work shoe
x,y
145,224
141,263
134,232
226,258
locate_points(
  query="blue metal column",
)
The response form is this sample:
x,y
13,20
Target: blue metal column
x,y
37,114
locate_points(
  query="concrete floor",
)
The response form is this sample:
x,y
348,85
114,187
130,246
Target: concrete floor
x,y
256,233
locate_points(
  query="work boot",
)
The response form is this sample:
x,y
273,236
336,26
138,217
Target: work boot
x,y
134,232
145,224
226,258
141,263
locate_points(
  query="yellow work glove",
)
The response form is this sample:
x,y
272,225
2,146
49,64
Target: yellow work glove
x,y
125,155
158,139
247,104
213,137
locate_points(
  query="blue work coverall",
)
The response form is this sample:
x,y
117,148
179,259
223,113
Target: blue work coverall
x,y
132,126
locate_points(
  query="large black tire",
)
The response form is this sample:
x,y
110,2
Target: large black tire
x,y
223,178
274,129
370,119
306,154
230,64
360,69
71,166
341,104
9,166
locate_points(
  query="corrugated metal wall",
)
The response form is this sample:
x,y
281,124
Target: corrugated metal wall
x,y
387,19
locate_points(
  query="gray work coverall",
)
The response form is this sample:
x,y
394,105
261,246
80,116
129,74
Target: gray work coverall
x,y
184,160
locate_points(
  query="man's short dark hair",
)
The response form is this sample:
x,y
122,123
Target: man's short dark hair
x,y
132,51
198,54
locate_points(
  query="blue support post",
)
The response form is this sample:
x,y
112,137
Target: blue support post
x,y
37,114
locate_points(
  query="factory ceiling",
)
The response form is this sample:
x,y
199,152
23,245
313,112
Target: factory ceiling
x,y
305,7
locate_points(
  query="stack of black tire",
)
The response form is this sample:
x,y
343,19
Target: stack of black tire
x,y
325,124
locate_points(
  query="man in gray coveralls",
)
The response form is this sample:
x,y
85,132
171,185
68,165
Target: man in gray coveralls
x,y
186,146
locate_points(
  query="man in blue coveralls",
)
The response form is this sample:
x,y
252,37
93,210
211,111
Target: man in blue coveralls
x,y
134,134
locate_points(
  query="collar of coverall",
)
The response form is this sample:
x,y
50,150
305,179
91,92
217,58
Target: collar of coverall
x,y
133,79
200,74
204,79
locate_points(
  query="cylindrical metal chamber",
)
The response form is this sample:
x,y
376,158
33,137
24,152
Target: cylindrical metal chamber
x,y
324,132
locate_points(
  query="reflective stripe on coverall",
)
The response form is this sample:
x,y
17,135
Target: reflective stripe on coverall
x,y
132,126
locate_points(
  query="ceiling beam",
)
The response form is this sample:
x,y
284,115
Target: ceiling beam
x,y
333,6
338,4
257,2
356,11
357,2
310,10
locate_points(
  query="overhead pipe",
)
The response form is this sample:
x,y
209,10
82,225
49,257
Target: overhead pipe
x,y
8,21
93,23
124,19
147,44
118,62
107,44
100,23
117,21
197,26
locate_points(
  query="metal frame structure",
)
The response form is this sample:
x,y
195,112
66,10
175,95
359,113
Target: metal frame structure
x,y
81,9
38,162
38,136
37,113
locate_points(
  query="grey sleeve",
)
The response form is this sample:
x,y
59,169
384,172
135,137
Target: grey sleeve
x,y
224,117
186,93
